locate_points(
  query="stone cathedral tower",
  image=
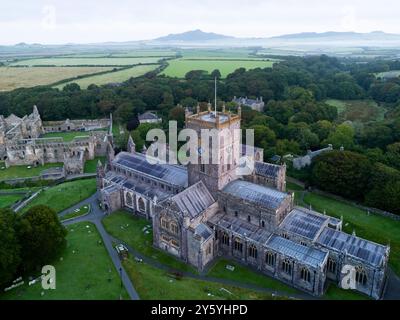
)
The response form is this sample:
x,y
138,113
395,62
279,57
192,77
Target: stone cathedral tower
x,y
224,145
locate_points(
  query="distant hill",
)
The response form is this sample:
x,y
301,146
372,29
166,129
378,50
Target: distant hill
x,y
194,35
375,35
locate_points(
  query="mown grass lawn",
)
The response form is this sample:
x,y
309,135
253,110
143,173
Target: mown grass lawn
x,y
246,275
76,213
129,228
91,165
155,284
83,272
24,171
336,293
291,186
65,195
373,227
66,136
7,200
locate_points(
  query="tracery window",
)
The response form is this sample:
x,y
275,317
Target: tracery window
x,y
287,267
270,258
225,238
331,265
174,228
253,251
361,276
129,200
305,274
238,245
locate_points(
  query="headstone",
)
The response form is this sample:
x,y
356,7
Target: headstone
x,y
230,268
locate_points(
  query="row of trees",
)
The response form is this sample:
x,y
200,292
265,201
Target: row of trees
x,y
29,241
354,176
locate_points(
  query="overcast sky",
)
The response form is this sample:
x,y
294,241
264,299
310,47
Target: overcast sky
x,y
37,21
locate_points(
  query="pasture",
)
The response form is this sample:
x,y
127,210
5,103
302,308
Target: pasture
x,y
13,78
88,61
111,77
24,171
84,271
358,110
179,67
66,136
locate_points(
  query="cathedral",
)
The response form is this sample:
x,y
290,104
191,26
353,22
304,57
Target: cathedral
x,y
200,212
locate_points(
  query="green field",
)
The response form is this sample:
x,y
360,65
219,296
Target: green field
x,y
108,61
117,76
155,284
129,228
67,136
78,213
65,195
24,171
13,78
7,200
376,228
83,272
178,68
91,165
358,110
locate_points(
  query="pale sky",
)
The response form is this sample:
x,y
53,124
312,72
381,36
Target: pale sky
x,y
89,21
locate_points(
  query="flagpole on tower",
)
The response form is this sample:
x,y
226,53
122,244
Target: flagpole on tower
x,y
215,97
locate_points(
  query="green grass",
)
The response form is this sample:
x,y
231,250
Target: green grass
x,y
155,284
293,186
65,195
336,293
178,68
358,110
376,228
128,228
66,136
74,214
246,275
85,272
111,77
71,61
6,200
91,165
23,171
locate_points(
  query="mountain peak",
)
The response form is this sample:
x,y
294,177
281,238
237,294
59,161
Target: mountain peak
x,y
194,35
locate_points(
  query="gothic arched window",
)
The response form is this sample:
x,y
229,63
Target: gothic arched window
x,y
225,238
331,265
287,267
270,258
361,276
142,206
238,245
174,228
129,200
305,275
164,223
253,251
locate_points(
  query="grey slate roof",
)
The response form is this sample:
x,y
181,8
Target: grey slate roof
x,y
255,193
175,175
306,255
194,200
266,169
362,249
304,222
146,190
241,227
148,116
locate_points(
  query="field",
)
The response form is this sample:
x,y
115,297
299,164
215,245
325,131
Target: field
x,y
178,68
129,228
88,61
388,74
91,165
155,284
65,195
23,171
83,272
67,136
358,110
7,200
12,78
376,228
117,76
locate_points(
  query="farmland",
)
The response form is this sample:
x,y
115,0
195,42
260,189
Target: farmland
x,y
117,76
12,78
87,61
358,110
178,68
